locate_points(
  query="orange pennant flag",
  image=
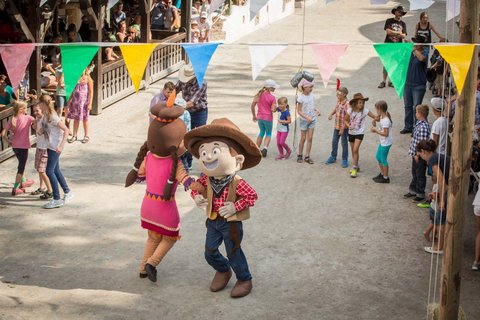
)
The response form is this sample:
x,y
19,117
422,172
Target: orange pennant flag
x,y
459,57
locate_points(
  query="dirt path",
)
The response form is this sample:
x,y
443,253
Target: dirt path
x,y
320,245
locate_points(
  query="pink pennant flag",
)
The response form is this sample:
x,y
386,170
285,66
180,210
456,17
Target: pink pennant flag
x,y
16,58
327,56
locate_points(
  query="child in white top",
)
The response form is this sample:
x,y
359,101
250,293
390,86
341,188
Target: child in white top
x,y
41,157
308,119
204,28
194,31
440,126
355,119
385,135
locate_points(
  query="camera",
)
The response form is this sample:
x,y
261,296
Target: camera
x,y
299,76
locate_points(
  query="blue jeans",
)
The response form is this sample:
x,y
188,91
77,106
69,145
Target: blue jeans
x,y
199,118
220,230
419,179
335,139
412,97
55,175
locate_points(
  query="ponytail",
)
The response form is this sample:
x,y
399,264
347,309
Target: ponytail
x,y
427,145
167,190
390,117
132,175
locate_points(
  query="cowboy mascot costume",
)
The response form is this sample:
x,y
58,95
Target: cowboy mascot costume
x,y
223,150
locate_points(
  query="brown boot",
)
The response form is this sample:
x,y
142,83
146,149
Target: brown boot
x,y
241,289
220,280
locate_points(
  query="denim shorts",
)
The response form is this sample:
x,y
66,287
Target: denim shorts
x,y
60,102
305,125
439,217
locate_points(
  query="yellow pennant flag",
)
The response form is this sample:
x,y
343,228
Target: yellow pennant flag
x,y
136,57
459,57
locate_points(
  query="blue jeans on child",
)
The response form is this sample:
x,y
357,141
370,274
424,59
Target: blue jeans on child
x,y
199,118
55,175
335,139
218,231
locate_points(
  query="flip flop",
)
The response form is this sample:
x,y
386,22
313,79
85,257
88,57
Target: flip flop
x,y
86,139
72,139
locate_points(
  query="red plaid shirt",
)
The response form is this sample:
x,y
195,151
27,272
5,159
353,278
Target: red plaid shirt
x,y
246,194
340,111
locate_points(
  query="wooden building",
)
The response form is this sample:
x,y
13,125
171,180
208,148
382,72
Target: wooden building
x,y
111,80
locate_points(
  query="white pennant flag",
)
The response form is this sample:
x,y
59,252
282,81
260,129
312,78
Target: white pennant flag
x,y
42,2
111,3
420,4
453,9
215,4
261,55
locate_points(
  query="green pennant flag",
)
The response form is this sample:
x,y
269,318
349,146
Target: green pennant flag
x,y
75,58
395,58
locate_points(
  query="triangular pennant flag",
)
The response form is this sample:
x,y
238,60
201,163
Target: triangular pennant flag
x,y
378,1
111,3
459,57
42,2
395,58
256,6
327,56
453,9
200,55
136,57
420,4
261,55
16,58
75,58
215,4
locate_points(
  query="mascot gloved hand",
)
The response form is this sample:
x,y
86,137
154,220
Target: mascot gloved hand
x,y
222,150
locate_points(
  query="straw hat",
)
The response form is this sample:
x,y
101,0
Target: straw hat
x,y
358,96
224,130
186,73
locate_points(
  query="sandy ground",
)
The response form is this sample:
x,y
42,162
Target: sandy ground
x,y
320,245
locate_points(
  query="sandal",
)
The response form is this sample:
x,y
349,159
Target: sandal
x,y
300,158
381,85
72,139
308,160
86,139
46,195
38,191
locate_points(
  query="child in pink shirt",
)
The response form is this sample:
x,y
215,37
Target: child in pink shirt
x,y
267,104
20,125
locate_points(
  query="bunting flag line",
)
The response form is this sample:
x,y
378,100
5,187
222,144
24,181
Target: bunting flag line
x,y
420,4
379,1
261,55
136,58
200,55
459,57
395,58
453,9
75,58
16,59
327,57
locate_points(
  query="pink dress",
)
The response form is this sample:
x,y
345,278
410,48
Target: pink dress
x,y
78,109
159,215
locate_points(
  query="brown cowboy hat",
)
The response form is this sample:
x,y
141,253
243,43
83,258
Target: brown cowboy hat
x,y
358,96
224,129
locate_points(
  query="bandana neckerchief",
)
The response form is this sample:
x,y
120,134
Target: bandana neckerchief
x,y
219,186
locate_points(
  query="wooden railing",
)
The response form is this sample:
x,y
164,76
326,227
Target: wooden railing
x,y
5,116
165,59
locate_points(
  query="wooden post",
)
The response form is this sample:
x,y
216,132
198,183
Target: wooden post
x,y
186,6
98,7
459,171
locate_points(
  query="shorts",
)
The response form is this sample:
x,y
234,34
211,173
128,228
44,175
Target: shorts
x,y
265,128
382,154
439,217
305,125
353,137
476,210
22,156
41,157
60,102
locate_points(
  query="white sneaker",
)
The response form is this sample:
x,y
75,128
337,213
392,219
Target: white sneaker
x,y
67,196
53,204
476,266
431,250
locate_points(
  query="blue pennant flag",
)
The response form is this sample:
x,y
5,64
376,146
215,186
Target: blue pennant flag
x,y
200,55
